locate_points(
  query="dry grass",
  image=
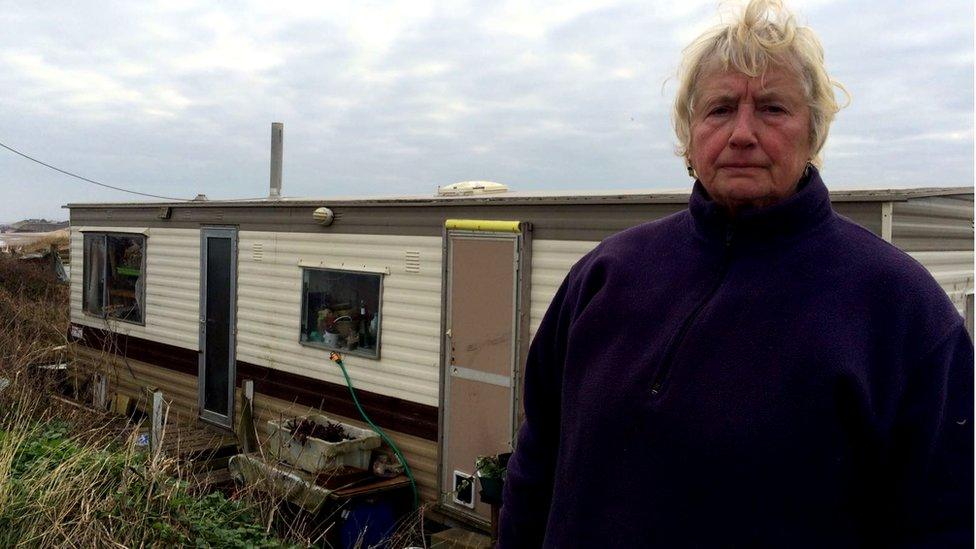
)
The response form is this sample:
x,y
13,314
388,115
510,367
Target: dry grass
x,y
33,315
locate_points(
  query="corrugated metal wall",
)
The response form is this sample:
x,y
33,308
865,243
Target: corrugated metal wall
x,y
935,223
172,288
952,270
551,260
132,377
938,232
269,308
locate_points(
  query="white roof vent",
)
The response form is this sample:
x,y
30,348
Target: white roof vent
x,y
471,187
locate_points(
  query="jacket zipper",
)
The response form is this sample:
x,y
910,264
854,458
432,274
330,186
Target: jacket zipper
x,y
657,384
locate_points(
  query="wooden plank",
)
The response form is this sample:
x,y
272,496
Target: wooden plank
x,y
156,435
374,487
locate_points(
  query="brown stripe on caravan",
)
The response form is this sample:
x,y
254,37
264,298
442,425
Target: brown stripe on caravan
x,y
394,413
166,356
400,415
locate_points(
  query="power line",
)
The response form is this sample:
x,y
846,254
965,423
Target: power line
x,y
15,151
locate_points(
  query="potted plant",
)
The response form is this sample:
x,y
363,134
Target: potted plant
x,y
491,475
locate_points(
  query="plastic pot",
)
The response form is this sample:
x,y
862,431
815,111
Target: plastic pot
x,y
491,490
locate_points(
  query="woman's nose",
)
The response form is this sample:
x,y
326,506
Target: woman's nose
x,y
743,129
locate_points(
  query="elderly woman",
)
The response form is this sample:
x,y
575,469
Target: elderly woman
x,y
755,371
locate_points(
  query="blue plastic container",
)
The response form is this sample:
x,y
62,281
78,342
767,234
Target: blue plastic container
x,y
369,523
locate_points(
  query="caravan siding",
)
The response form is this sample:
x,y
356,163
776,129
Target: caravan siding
x,y
938,232
269,308
933,223
953,270
551,260
269,303
172,287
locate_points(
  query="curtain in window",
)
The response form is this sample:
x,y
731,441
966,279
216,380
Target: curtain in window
x,y
94,273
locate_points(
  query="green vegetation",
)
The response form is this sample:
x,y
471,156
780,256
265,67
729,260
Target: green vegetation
x,y
63,482
490,467
68,479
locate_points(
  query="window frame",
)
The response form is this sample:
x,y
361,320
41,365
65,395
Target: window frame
x,y
304,311
86,273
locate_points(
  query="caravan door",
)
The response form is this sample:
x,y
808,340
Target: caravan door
x,y
218,328
484,271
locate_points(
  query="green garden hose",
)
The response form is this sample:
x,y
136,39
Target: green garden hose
x,y
337,358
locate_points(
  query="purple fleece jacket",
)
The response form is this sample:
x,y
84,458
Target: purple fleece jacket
x,y
786,379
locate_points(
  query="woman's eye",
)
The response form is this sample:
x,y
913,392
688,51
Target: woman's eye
x,y
774,109
719,111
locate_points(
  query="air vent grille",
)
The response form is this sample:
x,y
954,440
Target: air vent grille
x,y
411,261
257,251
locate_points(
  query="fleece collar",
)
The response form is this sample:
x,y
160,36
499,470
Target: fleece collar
x,y
803,211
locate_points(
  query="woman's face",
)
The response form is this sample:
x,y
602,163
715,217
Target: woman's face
x,y
750,137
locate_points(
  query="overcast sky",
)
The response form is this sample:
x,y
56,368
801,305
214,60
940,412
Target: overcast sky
x,y
379,98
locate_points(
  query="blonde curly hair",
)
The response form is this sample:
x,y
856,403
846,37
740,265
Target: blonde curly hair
x,y
764,33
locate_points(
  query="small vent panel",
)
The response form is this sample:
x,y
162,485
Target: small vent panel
x,y
257,251
411,261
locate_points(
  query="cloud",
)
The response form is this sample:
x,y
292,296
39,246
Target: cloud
x,y
404,96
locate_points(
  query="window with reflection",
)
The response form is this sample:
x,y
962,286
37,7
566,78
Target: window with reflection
x,y
341,311
114,281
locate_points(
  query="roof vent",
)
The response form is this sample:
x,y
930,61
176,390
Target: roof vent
x,y
471,187
200,198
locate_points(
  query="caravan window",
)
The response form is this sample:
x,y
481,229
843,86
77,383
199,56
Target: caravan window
x,y
341,311
114,276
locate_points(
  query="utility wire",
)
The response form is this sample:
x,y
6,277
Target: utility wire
x,y
15,151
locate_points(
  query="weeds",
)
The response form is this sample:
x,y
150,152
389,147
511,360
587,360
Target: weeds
x,y
61,489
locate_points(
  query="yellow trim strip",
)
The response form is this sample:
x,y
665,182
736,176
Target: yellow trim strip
x,y
488,225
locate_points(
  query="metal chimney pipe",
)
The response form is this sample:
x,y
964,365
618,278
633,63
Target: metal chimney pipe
x,y
277,138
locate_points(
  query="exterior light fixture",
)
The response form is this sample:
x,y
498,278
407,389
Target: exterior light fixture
x,y
323,216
